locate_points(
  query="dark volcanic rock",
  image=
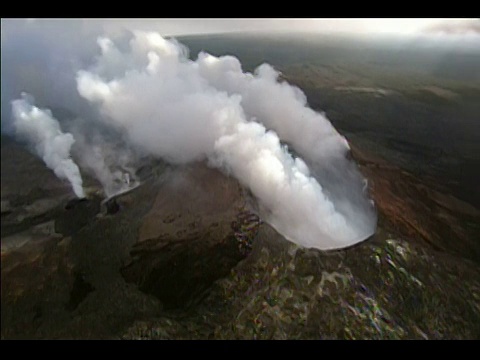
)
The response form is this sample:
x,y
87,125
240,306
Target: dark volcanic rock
x,y
77,214
79,292
179,274
169,266
417,208
186,241
112,206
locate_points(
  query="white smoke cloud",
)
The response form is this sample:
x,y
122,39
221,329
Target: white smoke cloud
x,y
112,164
283,108
42,132
183,110
44,54
148,92
42,57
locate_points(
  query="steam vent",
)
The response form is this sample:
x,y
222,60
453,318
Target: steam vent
x,y
266,185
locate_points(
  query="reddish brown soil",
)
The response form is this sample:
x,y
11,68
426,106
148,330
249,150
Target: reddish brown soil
x,y
418,209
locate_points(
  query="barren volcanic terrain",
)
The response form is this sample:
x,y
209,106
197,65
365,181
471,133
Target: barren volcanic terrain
x,y
185,254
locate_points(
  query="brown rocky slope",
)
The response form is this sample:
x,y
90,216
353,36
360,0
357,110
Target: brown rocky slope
x,y
185,257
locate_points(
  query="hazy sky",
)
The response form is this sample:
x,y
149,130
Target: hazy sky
x,y
175,27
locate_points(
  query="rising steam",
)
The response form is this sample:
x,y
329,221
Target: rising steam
x,y
184,110
42,133
163,104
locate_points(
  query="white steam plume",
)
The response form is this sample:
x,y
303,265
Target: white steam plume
x,y
42,132
183,110
283,108
111,164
